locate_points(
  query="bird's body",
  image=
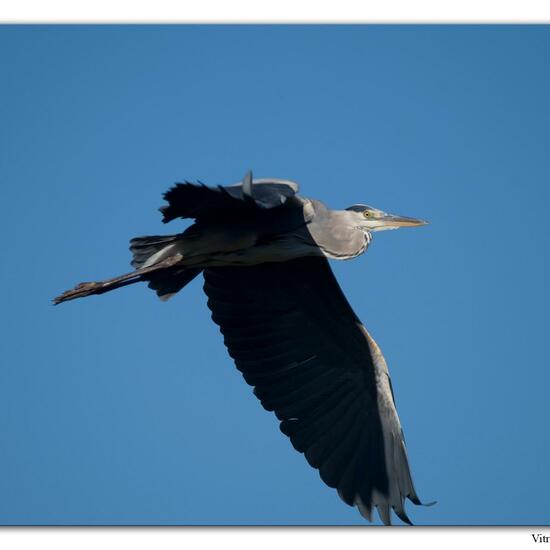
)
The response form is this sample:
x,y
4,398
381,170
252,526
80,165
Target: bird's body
x,y
301,227
286,323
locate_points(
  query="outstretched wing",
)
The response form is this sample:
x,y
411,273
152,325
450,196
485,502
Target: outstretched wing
x,y
294,336
189,200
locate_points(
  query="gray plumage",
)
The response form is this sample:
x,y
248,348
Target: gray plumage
x,y
263,251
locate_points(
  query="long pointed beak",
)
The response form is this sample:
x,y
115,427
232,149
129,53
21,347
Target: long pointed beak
x,y
389,220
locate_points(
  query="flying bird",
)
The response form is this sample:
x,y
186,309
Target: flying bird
x,y
263,251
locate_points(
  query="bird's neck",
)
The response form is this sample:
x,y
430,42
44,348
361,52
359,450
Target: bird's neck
x,y
368,239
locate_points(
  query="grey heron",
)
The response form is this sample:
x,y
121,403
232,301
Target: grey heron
x,y
264,251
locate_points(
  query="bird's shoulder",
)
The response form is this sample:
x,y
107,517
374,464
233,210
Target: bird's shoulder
x,y
199,201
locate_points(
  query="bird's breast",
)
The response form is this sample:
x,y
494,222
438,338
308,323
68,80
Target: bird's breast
x,y
340,242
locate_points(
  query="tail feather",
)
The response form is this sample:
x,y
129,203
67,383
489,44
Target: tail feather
x,y
170,281
147,251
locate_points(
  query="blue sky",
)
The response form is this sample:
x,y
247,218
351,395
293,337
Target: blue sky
x,y
123,409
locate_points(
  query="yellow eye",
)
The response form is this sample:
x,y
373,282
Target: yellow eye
x,y
366,213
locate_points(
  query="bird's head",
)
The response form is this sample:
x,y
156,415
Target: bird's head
x,y
371,219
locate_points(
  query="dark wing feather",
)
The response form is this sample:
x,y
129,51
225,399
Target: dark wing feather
x,y
190,200
294,336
